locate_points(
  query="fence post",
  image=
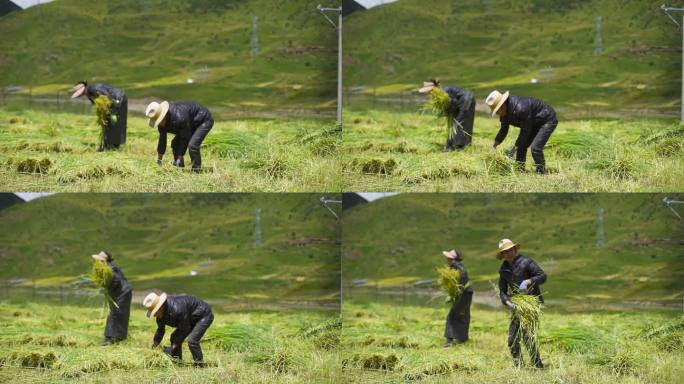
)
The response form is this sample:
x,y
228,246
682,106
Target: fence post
x,y
30,97
33,297
61,297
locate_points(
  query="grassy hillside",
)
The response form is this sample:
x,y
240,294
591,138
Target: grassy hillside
x,y
399,240
158,239
151,48
240,155
386,151
56,344
489,44
395,344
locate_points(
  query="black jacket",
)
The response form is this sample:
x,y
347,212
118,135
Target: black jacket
x,y
119,284
182,119
521,268
526,113
93,91
464,274
182,313
460,102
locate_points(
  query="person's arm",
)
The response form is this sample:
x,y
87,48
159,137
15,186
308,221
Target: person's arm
x,y
503,291
161,145
159,335
538,274
464,276
503,132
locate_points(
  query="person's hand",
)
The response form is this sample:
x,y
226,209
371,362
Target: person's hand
x,y
510,306
525,284
510,153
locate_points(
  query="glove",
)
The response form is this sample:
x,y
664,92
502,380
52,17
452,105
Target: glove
x,y
511,306
524,285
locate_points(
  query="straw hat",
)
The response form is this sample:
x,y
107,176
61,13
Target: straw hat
x,y
429,85
78,90
156,112
452,255
153,302
495,100
504,245
102,256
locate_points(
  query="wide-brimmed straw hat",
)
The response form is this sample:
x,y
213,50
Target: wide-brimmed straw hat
x,y
153,302
495,100
102,256
78,90
452,255
504,245
156,112
428,86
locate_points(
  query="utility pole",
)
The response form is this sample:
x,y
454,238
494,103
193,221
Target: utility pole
x,y
257,229
600,234
598,41
337,26
667,11
254,41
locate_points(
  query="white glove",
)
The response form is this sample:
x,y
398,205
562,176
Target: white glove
x,y
524,284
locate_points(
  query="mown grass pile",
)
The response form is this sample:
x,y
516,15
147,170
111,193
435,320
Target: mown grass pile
x,y
103,112
528,312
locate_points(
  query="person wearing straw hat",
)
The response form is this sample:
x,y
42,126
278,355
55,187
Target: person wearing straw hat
x,y
121,292
188,121
461,109
115,132
536,120
523,275
458,320
189,315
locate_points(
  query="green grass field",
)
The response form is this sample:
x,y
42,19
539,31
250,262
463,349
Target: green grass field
x,y
48,151
152,48
393,151
489,44
385,343
158,239
398,240
54,344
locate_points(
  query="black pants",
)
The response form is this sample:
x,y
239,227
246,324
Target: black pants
x,y
514,336
194,337
196,141
461,133
458,320
536,142
117,321
115,134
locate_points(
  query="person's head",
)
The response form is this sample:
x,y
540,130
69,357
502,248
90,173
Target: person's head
x,y
79,89
154,304
508,250
103,256
496,101
429,85
156,113
453,256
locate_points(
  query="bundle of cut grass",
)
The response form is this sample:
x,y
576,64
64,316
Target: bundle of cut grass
x,y
450,282
102,275
103,111
499,164
230,144
374,361
438,103
528,311
237,337
574,339
575,144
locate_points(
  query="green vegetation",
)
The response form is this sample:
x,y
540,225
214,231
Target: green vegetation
x,y
158,240
487,45
450,282
569,347
58,152
389,151
60,344
397,240
152,49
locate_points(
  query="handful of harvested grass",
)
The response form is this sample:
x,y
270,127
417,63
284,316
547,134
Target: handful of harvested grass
x,y
450,281
103,111
102,275
528,311
438,103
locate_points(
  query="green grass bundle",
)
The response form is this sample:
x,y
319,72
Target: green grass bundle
x,y
103,108
102,275
438,103
579,145
498,163
450,282
528,311
237,337
574,339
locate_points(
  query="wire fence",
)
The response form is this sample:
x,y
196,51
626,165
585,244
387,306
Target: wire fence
x,y
59,294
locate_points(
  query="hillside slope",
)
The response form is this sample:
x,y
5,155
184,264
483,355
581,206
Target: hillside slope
x,y
504,44
158,239
399,240
151,48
